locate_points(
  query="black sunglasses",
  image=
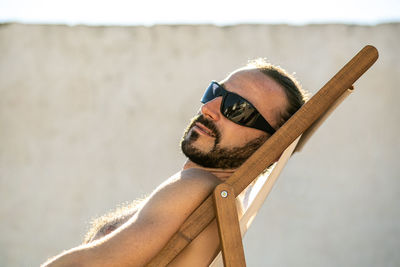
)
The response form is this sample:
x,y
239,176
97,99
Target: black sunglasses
x,y
237,109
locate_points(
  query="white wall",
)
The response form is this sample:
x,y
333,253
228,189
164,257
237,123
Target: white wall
x,y
92,116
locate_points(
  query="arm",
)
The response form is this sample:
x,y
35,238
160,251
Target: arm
x,y
146,232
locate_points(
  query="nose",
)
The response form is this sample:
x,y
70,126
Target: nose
x,y
211,109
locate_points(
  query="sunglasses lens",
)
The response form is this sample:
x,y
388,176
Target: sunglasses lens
x,y
211,92
238,110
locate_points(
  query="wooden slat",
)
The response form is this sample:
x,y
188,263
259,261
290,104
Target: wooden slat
x,y
228,226
271,149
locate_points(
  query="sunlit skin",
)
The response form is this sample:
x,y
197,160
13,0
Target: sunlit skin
x,y
138,240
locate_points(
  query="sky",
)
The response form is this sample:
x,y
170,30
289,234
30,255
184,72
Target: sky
x,y
223,12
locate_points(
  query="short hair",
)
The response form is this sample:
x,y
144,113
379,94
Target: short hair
x,y
296,95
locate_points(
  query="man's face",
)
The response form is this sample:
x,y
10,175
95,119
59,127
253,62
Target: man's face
x,y
213,141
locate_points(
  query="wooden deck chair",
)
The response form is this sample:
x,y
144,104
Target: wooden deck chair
x,y
289,138
259,189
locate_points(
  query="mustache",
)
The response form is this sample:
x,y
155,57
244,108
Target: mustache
x,y
207,123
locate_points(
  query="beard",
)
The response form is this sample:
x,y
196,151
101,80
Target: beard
x,y
217,157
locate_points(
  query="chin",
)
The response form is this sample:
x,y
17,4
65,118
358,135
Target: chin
x,y
198,147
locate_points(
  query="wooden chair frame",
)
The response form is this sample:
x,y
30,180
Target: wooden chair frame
x,y
221,204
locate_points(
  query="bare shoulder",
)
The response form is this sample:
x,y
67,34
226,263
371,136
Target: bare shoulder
x,y
196,178
189,180
182,192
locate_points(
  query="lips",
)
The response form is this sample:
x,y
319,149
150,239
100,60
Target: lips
x,y
203,129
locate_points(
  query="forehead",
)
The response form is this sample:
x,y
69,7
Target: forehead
x,y
262,91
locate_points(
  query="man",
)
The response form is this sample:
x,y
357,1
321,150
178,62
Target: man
x,y
237,116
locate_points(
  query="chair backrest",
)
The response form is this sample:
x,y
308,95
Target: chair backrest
x,y
256,193
312,111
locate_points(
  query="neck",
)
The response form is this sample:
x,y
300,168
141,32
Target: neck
x,y
222,174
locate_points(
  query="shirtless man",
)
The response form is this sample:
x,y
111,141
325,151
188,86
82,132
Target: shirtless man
x,y
225,132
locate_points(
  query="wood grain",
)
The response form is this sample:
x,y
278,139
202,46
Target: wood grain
x,y
228,226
